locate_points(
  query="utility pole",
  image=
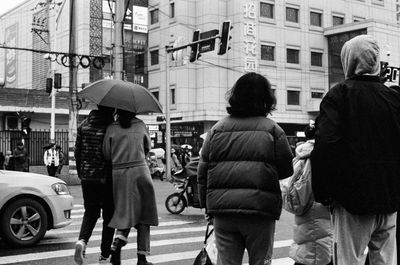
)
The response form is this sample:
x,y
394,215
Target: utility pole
x,y
53,91
167,118
73,84
118,47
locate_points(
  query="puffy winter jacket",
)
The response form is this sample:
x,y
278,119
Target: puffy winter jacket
x,y
90,162
312,233
241,162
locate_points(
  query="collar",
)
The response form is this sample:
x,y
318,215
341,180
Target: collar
x,y
370,78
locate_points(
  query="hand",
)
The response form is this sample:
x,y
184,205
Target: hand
x,y
209,218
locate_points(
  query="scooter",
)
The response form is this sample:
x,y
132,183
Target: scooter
x,y
185,182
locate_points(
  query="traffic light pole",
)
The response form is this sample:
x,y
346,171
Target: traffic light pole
x,y
167,117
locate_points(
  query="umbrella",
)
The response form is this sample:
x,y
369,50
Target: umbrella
x,y
122,95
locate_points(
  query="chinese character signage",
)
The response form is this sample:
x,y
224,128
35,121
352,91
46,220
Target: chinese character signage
x,y
140,19
11,55
250,36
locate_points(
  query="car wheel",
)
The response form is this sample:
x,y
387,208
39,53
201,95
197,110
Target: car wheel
x,y
23,222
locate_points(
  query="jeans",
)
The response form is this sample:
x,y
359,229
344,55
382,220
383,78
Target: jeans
x,y
236,232
98,197
143,238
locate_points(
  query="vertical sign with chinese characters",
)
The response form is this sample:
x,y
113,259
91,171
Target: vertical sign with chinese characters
x,y
11,55
250,36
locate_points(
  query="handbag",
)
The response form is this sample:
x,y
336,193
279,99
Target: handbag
x,y
208,254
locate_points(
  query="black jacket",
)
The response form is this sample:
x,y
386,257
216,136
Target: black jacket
x,y
241,163
90,162
356,158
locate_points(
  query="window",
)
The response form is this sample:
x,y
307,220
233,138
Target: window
x,y
172,95
139,62
293,97
315,19
154,16
267,53
292,56
266,10
315,94
172,10
292,14
154,57
337,20
316,58
156,94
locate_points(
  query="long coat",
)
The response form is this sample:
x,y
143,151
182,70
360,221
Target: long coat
x,y
134,196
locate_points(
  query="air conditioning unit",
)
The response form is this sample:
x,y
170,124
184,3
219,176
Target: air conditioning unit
x,y
11,123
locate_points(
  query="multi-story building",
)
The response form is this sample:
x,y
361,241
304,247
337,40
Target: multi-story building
x,y
36,26
295,43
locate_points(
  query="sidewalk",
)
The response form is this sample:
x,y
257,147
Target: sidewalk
x,y
64,174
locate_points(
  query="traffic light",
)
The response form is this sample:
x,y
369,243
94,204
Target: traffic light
x,y
49,85
225,37
57,81
25,125
194,54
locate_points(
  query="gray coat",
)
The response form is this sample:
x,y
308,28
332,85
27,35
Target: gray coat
x,y
241,162
134,196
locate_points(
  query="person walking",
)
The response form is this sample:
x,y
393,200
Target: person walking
x,y
312,232
242,159
51,159
126,145
95,175
20,156
356,158
61,160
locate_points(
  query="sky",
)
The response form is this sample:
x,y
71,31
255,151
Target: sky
x,y
6,5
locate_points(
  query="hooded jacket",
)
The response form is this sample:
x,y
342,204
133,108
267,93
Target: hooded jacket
x,y
312,232
356,158
90,162
241,162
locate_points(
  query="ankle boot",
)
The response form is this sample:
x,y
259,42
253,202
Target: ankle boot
x,y
116,251
142,260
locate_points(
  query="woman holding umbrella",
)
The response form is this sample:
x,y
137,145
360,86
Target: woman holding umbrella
x,y
126,145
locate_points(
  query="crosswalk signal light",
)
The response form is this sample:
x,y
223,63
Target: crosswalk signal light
x,y
57,80
225,37
194,54
49,85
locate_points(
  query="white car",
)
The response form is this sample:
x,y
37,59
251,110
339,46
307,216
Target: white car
x,y
31,204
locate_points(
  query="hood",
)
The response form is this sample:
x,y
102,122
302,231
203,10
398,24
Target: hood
x,y
304,150
19,178
360,56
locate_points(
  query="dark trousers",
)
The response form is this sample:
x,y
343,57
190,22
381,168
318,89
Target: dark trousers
x,y
51,170
96,198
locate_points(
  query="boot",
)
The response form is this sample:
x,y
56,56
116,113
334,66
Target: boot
x,y
142,260
116,251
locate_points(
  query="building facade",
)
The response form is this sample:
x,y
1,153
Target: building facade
x,y
294,43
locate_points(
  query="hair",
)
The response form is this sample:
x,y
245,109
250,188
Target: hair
x,y
20,144
125,117
251,95
309,132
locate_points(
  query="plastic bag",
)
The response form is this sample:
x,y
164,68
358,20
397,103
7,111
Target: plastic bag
x,y
208,255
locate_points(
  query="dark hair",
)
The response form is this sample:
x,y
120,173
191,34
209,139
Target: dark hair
x,y
309,132
125,117
20,144
105,109
251,96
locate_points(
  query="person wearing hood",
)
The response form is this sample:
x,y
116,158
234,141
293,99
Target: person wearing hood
x,y
96,180
312,232
356,159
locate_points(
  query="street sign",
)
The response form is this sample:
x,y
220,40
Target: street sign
x,y
208,46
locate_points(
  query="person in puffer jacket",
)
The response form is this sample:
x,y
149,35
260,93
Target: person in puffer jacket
x,y
312,232
242,160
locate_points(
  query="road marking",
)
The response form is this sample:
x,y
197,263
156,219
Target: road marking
x,y
98,237
95,250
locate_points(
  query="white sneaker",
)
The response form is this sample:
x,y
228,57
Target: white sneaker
x,y
80,248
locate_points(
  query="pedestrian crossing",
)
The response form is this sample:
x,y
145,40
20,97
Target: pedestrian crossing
x,y
175,241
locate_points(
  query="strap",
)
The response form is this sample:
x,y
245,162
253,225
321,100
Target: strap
x,y
208,233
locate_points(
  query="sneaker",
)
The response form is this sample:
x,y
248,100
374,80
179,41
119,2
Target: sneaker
x,y
80,248
103,260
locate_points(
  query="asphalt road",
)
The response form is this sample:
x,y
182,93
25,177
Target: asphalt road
x,y
176,241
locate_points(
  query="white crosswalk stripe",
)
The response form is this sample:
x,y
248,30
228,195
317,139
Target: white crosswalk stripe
x,y
183,237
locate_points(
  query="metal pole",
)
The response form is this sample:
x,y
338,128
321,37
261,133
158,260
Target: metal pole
x,y
118,48
167,118
53,116
73,84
